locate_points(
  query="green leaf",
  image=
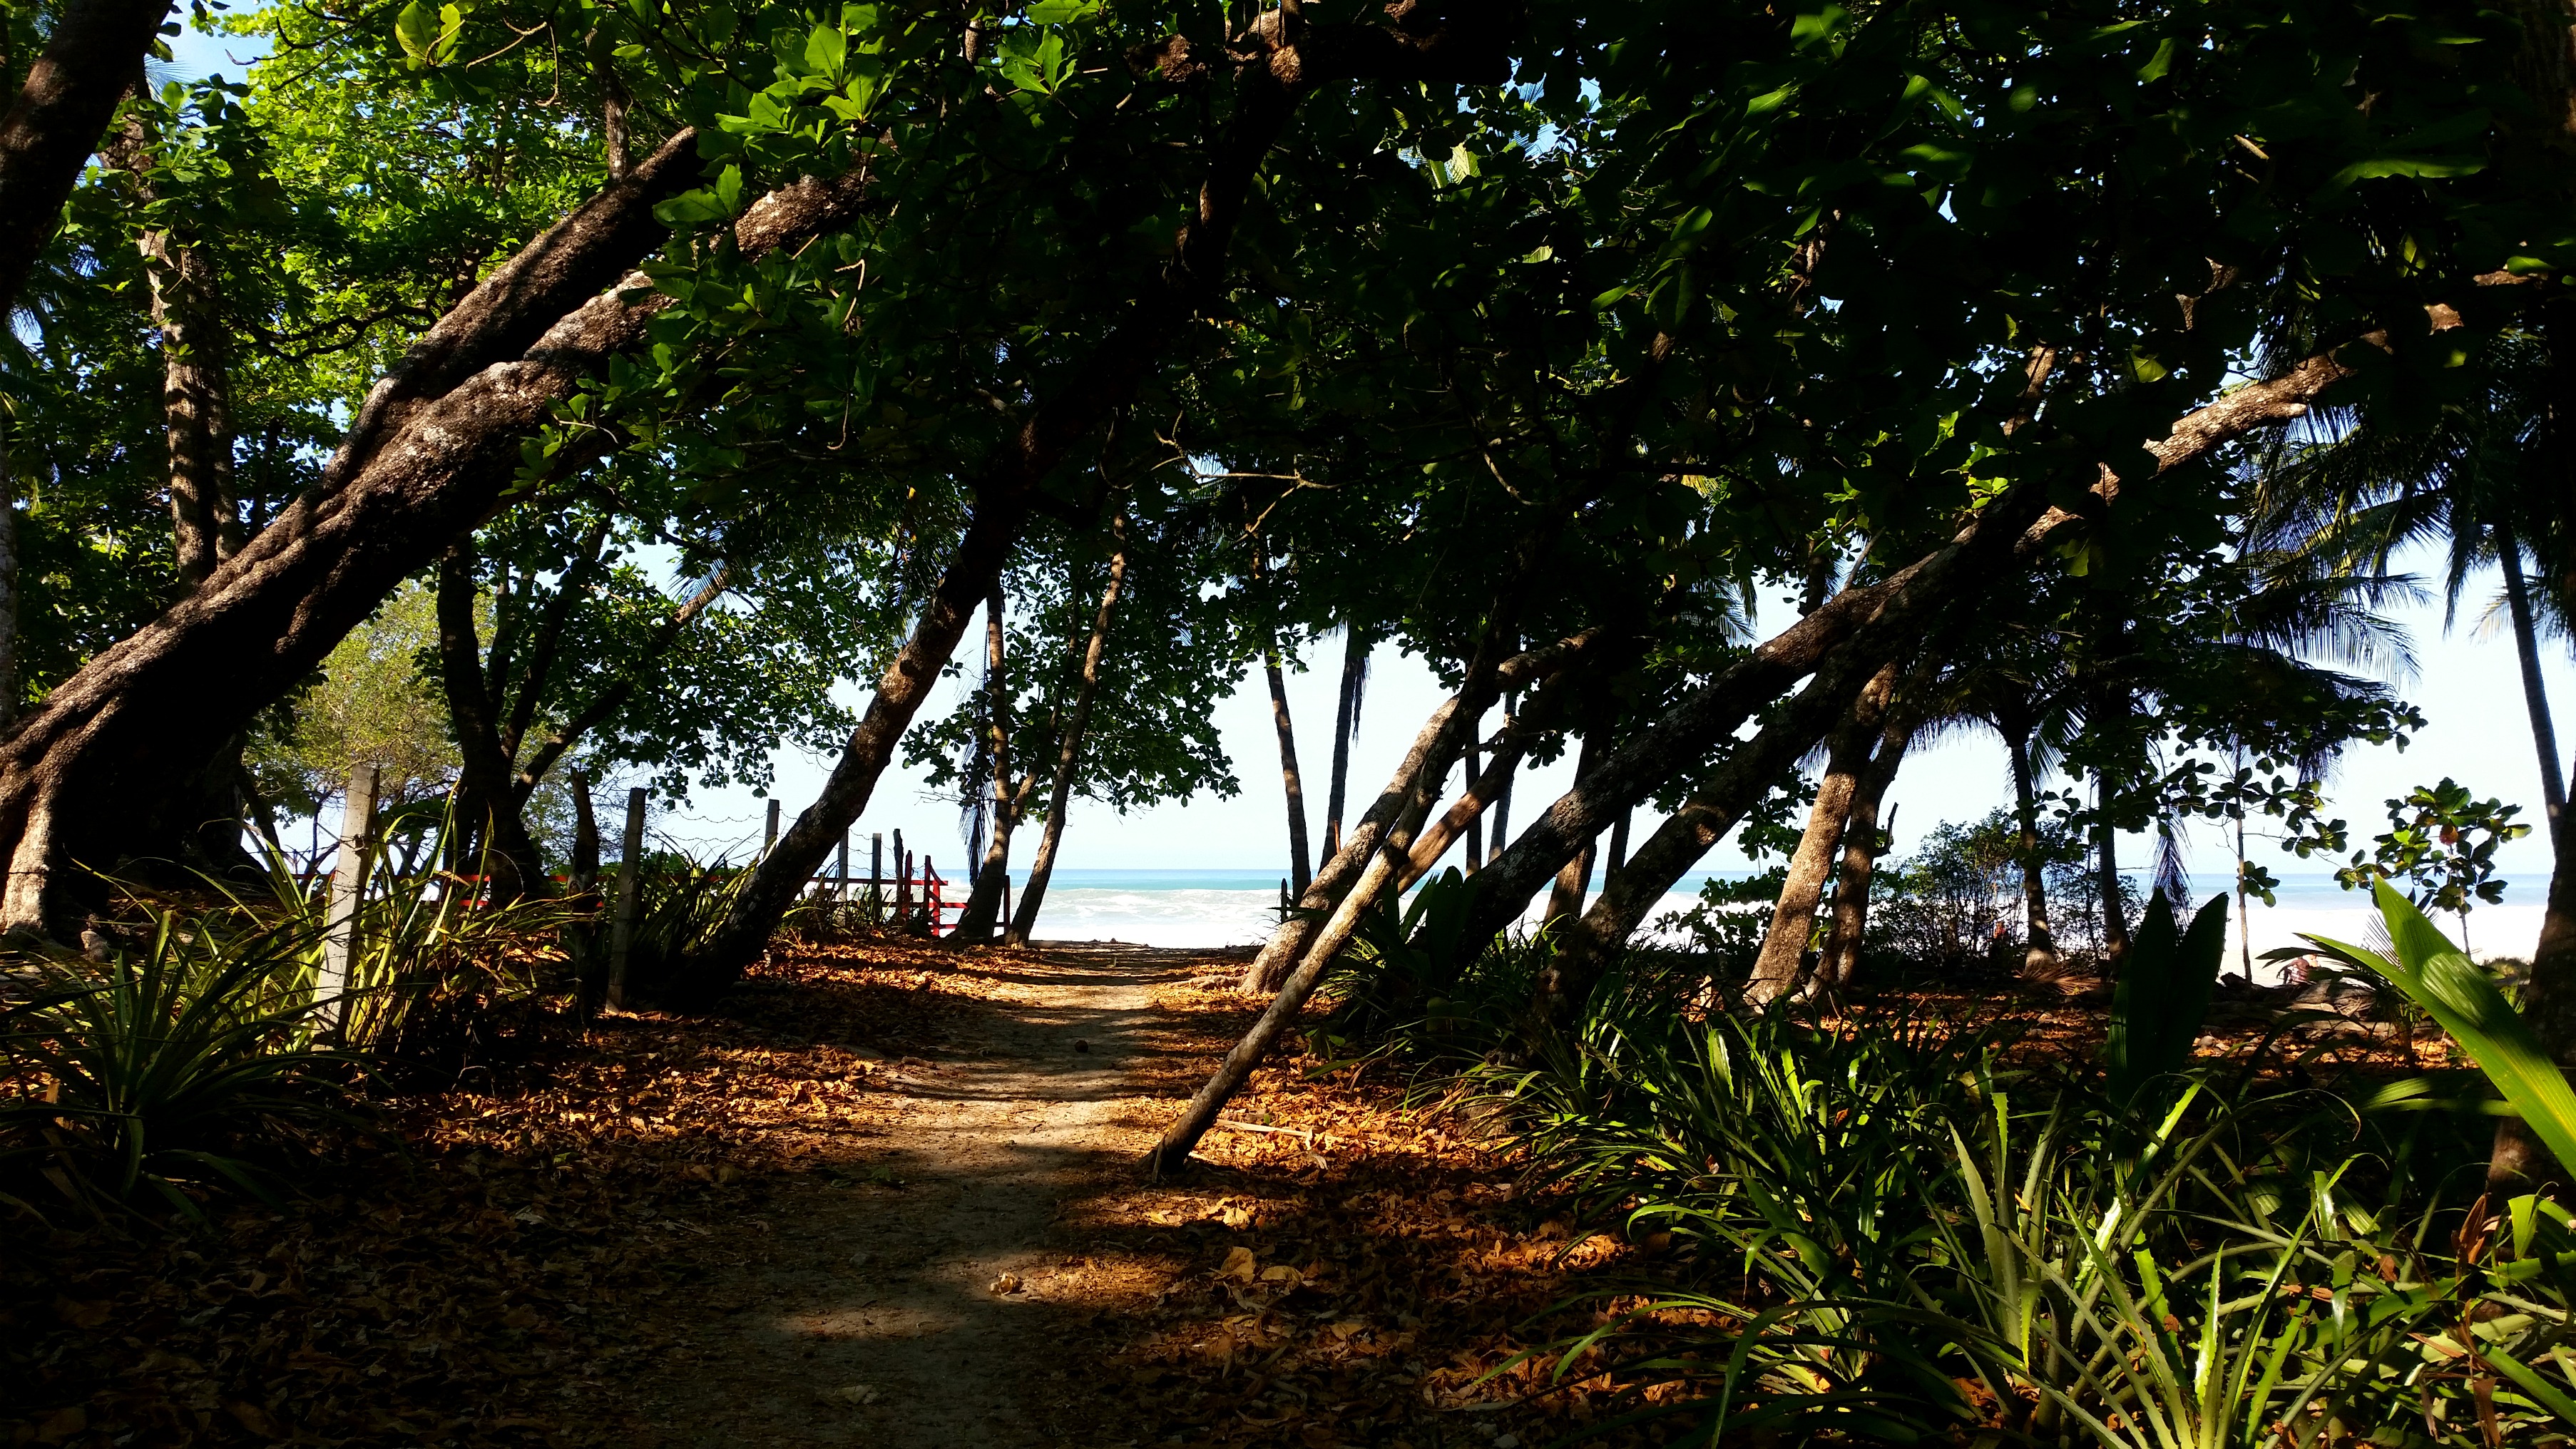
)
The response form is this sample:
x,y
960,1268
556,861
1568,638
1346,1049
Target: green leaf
x,y
2464,1000
1060,12
417,29
729,190
2162,997
827,50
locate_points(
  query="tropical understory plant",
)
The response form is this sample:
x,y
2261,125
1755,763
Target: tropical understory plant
x,y
1881,1228
201,1051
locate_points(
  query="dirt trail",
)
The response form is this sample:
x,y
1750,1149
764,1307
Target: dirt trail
x,y
924,1314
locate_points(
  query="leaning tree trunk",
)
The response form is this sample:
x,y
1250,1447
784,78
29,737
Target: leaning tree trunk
x,y
1574,879
92,56
1346,722
1300,871
1784,947
1387,854
2039,950
1069,753
1436,50
1287,945
1840,963
431,453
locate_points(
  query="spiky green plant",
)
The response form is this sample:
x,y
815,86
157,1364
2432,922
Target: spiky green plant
x,y
157,1069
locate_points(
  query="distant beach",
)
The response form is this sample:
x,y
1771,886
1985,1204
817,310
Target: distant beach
x,y
1202,908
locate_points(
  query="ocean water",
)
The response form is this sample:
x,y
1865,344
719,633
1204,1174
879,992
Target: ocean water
x,y
1203,908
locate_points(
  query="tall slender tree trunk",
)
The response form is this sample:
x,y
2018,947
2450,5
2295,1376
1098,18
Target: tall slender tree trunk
x,y
487,806
1839,965
1069,754
984,902
2039,944
2115,907
1346,723
1502,811
1784,947
8,575
2546,66
1300,872
196,404
2535,690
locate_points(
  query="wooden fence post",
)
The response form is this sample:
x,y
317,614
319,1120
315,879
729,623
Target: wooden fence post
x,y
630,890
841,880
769,832
876,878
348,889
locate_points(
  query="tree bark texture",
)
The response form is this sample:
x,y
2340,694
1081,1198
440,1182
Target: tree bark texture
x,y
1300,867
1784,949
429,456
1346,723
1287,945
196,404
1424,45
94,55
1069,753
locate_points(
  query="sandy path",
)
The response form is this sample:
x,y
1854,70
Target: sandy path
x,y
859,1313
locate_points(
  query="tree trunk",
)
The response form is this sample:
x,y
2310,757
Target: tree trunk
x,y
1502,811
431,454
2039,946
1482,789
1069,754
1287,945
196,402
1346,723
487,806
1104,381
1784,949
93,56
9,687
1840,963
1476,822
1300,872
2115,909
1388,851
1574,880
2535,691
984,901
